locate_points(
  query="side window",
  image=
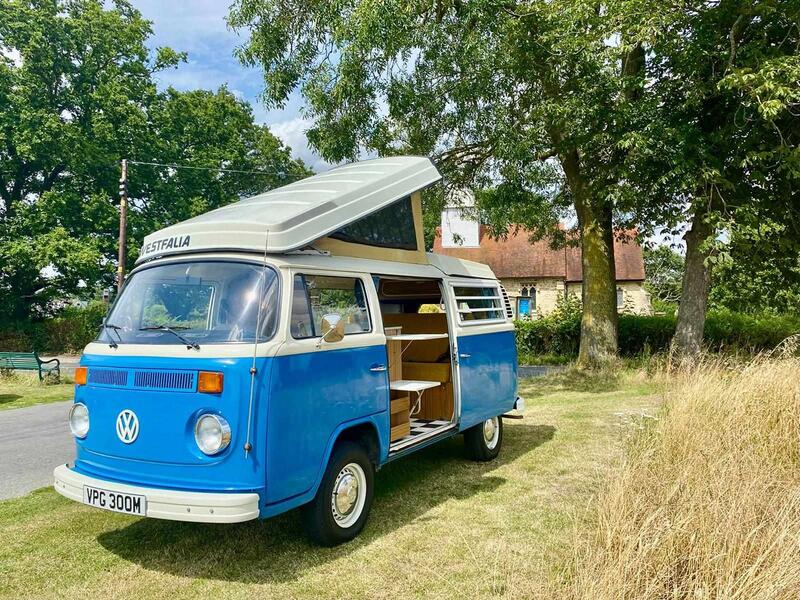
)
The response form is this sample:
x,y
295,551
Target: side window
x,y
478,303
315,296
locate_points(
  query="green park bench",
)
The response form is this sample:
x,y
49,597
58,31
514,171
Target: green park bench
x,y
29,361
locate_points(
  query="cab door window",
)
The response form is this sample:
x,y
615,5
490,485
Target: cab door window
x,y
315,296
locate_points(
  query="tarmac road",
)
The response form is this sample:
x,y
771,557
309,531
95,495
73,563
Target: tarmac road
x,y
33,441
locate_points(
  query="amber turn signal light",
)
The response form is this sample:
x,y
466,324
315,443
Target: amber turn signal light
x,y
80,375
209,382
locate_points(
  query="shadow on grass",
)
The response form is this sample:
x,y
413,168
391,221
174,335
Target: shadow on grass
x,y
572,380
276,550
6,398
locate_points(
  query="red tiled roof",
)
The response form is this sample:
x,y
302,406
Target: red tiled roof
x,y
515,256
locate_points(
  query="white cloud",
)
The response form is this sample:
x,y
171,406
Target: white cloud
x,y
293,134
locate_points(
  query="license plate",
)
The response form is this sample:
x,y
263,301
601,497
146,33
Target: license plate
x,y
130,504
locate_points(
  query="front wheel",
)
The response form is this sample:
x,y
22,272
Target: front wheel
x,y
340,509
483,441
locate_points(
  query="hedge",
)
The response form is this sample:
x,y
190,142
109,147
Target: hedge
x,y
640,334
552,337
69,332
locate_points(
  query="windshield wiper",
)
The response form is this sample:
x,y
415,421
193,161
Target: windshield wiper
x,y
189,344
115,329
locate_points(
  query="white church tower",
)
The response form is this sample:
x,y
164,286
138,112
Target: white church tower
x,y
460,225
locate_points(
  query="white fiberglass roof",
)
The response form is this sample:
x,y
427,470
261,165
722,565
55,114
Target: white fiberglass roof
x,y
291,217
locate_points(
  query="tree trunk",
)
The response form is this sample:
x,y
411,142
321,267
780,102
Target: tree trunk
x,y
599,321
688,340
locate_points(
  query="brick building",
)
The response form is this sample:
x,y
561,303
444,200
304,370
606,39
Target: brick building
x,y
534,274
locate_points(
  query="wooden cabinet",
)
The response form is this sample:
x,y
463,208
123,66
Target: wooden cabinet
x,y
394,349
399,418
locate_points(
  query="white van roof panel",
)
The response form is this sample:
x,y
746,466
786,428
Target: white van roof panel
x,y
291,217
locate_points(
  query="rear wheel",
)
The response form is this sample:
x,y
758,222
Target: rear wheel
x,y
341,507
483,441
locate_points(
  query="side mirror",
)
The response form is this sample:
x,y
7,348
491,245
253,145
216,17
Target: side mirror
x,y
332,329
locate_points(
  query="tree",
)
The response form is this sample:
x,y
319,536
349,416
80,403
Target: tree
x,y
203,129
527,97
77,95
726,78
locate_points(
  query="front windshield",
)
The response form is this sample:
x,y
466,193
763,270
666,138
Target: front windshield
x,y
204,302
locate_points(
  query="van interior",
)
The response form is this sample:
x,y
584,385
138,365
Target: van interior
x,y
421,374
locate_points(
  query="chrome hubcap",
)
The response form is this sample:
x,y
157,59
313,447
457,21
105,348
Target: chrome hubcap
x,y
347,500
491,432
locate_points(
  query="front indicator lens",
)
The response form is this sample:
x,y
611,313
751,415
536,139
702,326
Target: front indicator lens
x,y
212,434
209,382
81,374
79,420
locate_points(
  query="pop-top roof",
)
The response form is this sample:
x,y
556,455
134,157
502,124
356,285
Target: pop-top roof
x,y
291,217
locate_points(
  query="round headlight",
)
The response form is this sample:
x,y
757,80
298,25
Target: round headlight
x,y
79,420
212,434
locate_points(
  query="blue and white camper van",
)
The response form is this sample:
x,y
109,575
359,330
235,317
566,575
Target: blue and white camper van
x,y
276,352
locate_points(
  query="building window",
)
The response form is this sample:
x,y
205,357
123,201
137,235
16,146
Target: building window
x,y
526,303
620,298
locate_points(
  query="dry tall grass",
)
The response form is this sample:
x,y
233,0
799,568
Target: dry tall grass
x,y
707,502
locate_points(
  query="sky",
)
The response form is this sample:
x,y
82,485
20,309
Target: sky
x,y
198,28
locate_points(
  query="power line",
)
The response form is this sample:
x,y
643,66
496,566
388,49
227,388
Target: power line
x,y
220,170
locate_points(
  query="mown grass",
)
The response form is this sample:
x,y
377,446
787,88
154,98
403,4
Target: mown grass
x,y
440,527
19,390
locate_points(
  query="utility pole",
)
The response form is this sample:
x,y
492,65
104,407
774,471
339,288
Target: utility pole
x,y
123,223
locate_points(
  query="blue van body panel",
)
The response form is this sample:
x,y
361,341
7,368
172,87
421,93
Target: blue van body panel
x,y
313,397
378,421
488,376
164,454
303,403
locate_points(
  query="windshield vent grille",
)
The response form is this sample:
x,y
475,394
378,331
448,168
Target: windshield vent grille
x,y
113,377
164,380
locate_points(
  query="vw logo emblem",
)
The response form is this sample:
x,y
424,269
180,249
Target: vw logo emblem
x,y
127,426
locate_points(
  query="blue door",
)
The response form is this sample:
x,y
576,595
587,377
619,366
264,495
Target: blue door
x,y
487,368
487,352
524,307
319,387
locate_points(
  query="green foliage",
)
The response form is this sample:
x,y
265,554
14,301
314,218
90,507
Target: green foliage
x,y
556,334
761,274
77,94
69,332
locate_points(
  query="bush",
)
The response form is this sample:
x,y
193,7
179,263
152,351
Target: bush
x,y
725,331
556,334
69,332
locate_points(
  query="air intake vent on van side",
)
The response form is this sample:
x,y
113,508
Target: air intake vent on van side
x,y
144,379
507,301
178,381
109,377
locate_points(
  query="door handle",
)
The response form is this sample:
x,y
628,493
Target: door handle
x,y
377,368
464,355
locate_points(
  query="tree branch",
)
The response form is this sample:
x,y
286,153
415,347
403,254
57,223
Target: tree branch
x,y
51,177
552,153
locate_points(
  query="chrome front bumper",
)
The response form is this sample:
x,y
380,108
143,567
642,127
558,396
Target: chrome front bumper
x,y
199,507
